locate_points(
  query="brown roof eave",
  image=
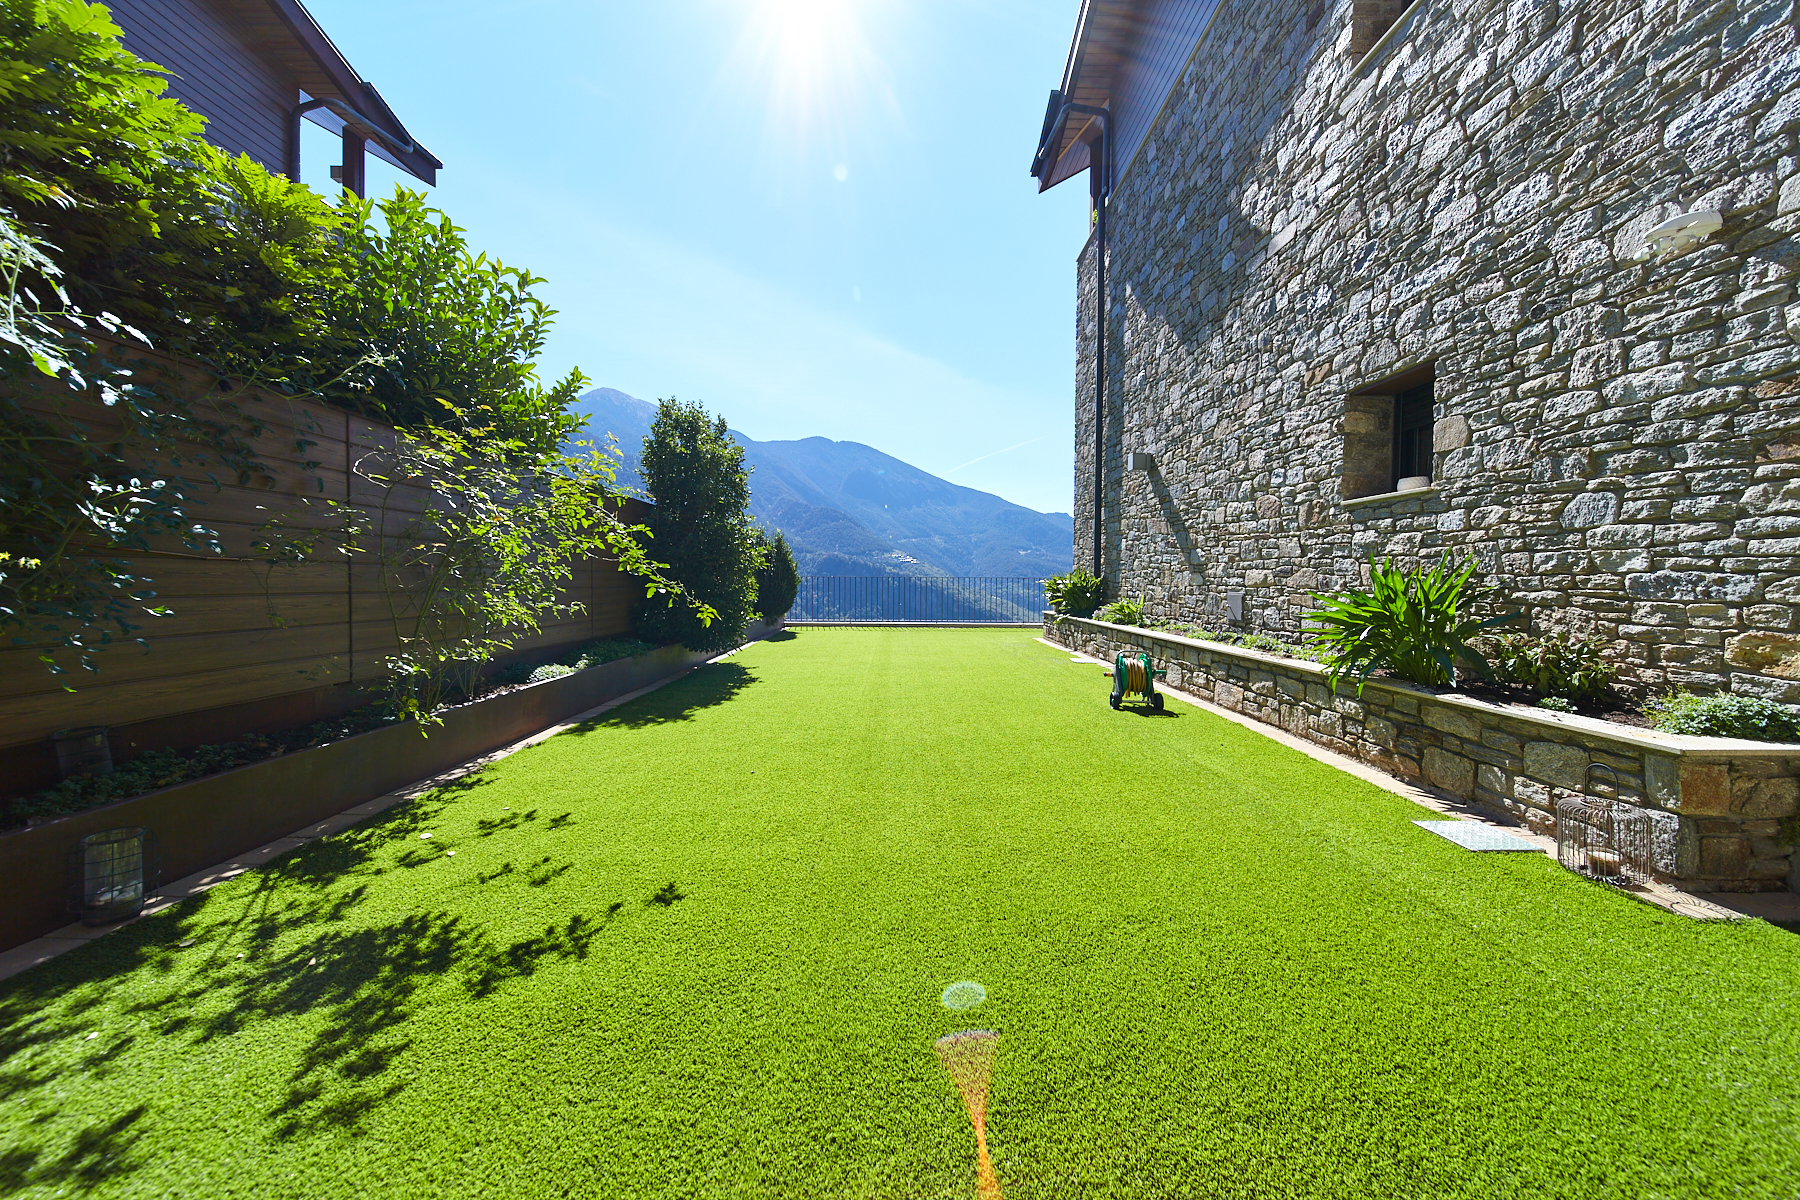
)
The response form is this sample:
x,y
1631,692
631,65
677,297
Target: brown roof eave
x,y
286,33
1104,34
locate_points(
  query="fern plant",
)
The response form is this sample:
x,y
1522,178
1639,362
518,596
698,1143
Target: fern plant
x,y
1407,622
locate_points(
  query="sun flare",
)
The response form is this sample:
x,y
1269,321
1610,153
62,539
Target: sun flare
x,y
813,63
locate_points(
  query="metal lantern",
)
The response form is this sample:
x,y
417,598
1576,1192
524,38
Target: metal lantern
x,y
1602,840
113,872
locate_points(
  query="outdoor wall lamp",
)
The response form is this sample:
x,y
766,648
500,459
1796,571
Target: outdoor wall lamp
x,y
1137,460
1680,232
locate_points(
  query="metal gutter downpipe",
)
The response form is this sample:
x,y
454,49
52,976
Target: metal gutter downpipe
x,y
1104,167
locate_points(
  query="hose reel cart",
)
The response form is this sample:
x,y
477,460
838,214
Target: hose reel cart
x,y
1134,675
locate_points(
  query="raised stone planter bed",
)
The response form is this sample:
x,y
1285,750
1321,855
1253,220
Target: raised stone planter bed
x,y
206,821
1724,810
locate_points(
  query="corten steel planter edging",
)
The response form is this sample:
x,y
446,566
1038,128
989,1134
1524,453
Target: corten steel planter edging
x,y
1724,808
211,820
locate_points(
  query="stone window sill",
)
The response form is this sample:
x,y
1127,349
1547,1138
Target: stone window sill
x,y
1391,497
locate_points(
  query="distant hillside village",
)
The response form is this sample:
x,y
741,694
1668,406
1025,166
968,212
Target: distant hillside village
x,y
850,510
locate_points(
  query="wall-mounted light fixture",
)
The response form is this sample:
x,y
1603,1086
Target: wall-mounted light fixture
x,y
1137,460
1680,232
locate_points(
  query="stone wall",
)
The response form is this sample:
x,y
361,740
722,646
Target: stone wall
x,y
1723,811
1617,442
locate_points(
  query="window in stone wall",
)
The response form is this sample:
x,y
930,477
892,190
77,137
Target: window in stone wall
x,y
1412,435
1369,20
1388,432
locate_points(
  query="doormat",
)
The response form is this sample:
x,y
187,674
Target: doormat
x,y
1473,835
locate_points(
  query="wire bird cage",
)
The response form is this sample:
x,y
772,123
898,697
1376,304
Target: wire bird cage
x,y
113,873
1603,841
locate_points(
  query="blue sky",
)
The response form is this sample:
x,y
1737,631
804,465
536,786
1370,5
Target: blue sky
x,y
812,215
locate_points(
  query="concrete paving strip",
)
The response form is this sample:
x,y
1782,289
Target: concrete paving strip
x,y
30,954
1708,906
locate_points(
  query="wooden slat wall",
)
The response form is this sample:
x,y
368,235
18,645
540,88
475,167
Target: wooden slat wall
x,y
250,646
245,97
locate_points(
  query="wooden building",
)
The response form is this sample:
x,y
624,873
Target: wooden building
x,y
257,68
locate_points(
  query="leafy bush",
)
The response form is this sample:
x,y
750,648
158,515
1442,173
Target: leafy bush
x,y
424,331
91,142
777,578
695,472
1725,716
1408,622
1075,593
487,558
165,767
124,214
1126,610
1553,665
512,674
550,671
1556,704
605,650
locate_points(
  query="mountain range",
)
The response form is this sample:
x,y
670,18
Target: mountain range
x,y
848,509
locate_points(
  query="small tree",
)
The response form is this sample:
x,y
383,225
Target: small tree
x,y
778,578
701,528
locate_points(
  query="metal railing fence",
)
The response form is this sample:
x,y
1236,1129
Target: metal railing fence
x,y
922,599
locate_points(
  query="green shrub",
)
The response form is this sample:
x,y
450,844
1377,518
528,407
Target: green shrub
x,y
1725,716
91,144
605,650
1075,593
1556,704
1126,610
701,525
165,767
123,211
1553,665
550,671
777,578
1408,622
424,331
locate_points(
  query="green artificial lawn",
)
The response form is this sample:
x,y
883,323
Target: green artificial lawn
x,y
697,949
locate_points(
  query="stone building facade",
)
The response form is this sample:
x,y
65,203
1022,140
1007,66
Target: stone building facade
x,y
1337,204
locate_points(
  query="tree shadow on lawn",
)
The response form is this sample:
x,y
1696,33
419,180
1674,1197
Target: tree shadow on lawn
x,y
356,988
711,685
784,635
98,1153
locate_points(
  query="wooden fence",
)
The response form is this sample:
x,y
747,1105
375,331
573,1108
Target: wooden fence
x,y
250,646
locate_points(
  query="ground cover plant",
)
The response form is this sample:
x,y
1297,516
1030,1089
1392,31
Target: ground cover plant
x,y
1751,717
697,948
166,766
1250,641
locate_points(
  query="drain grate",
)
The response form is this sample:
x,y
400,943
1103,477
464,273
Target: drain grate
x,y
1473,835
